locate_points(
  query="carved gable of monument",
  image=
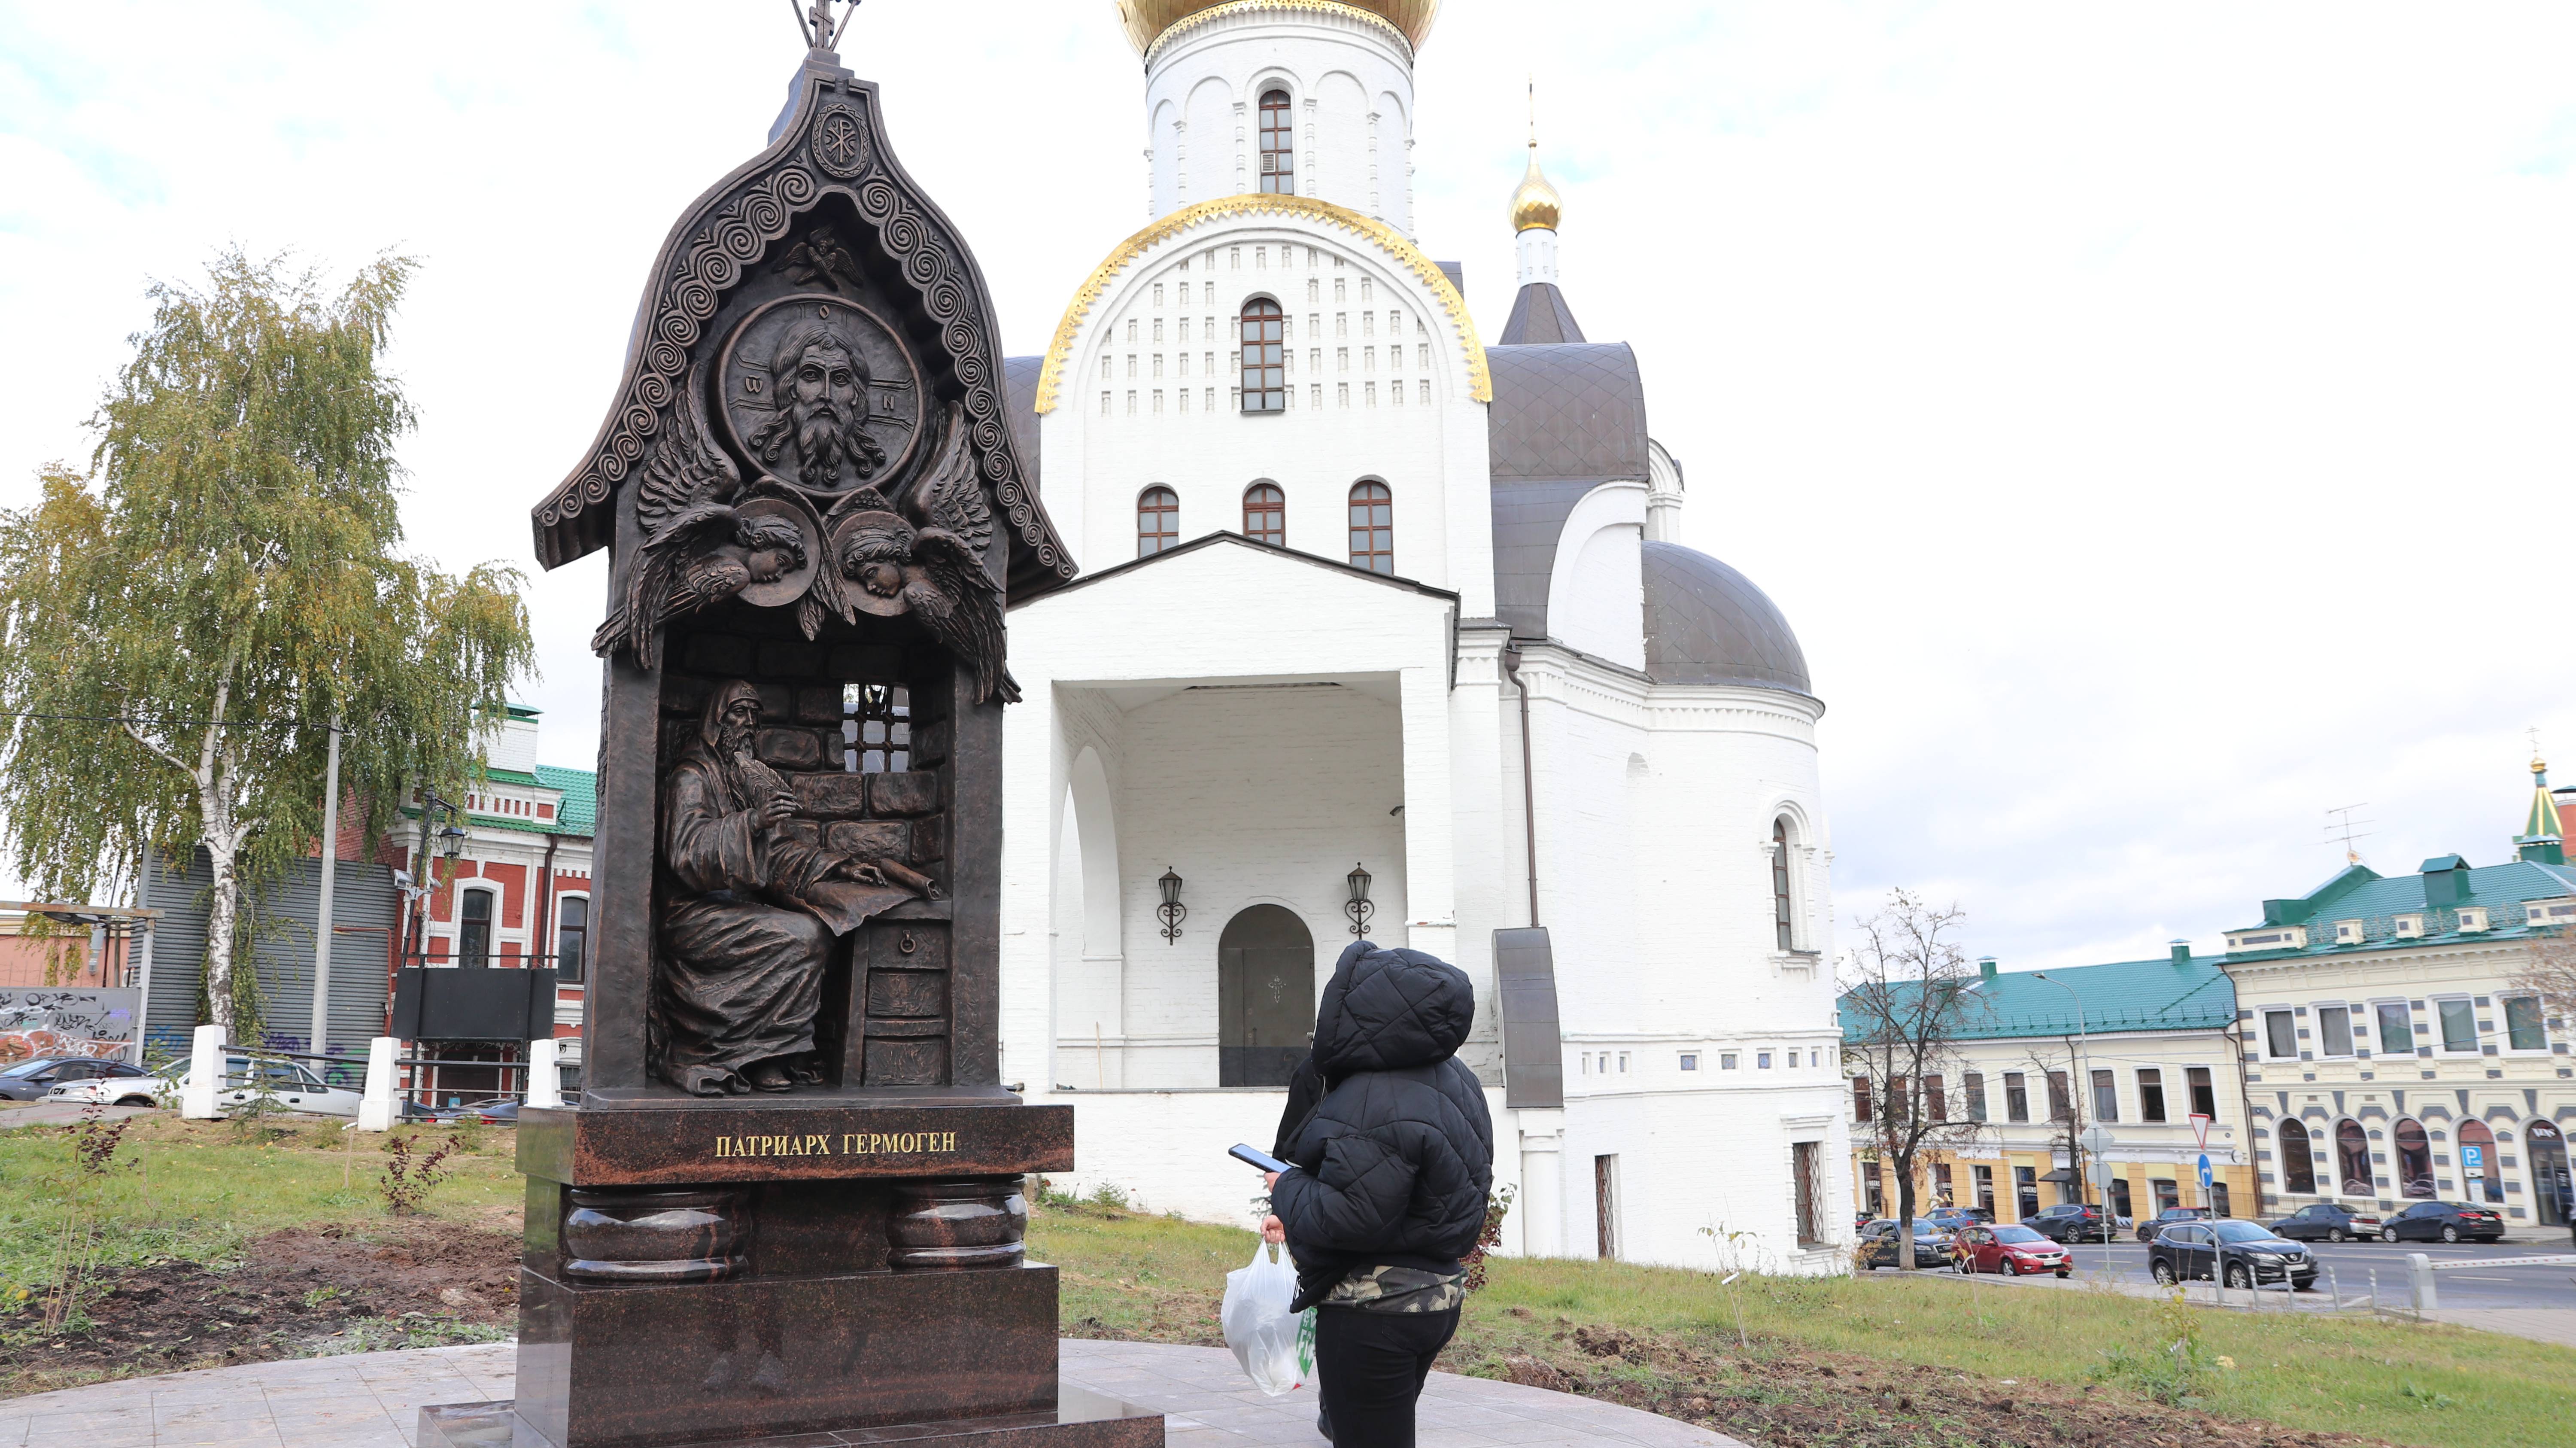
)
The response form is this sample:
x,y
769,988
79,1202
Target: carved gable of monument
x,y
814,514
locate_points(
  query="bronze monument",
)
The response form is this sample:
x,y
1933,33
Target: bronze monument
x,y
788,1205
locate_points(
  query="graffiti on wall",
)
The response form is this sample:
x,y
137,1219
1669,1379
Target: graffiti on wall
x,y
45,1021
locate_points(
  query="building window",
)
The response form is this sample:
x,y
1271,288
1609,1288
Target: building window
x,y
1158,521
1761,1060
2396,1028
474,928
1265,366
2016,1096
1726,1061
2025,1192
2151,1094
2218,1203
2352,1159
1690,1060
2522,1024
2459,1025
1860,1098
1941,1196
1973,1086
2280,1036
1807,1164
572,936
2204,1094
2334,1030
1936,1098
1265,514
1372,527
1278,145
1781,914
2106,1097
2120,1198
1985,1179
2481,1175
1899,1102
2414,1159
2061,1107
2298,1172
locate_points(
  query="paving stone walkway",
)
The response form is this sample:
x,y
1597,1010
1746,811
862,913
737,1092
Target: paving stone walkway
x,y
373,1400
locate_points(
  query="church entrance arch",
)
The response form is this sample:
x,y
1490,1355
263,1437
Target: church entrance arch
x,y
1265,991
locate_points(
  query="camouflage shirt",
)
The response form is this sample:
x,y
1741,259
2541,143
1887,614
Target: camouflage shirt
x,y
1399,1289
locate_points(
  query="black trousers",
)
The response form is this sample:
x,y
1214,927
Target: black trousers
x,y
1372,1365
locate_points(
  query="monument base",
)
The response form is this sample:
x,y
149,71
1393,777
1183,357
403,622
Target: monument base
x,y
1081,1418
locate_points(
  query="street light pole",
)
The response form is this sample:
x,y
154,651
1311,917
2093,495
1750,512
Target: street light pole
x,y
2084,1083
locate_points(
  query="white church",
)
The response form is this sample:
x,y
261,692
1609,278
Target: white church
x,y
1369,605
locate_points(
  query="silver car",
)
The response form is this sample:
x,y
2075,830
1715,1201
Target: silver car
x,y
295,1088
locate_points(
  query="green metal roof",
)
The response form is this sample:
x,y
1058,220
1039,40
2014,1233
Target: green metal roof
x,y
2130,995
2360,893
579,813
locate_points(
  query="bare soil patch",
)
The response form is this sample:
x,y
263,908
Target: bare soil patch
x,y
295,1293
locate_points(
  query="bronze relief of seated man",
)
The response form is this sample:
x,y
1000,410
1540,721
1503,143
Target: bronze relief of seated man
x,y
750,913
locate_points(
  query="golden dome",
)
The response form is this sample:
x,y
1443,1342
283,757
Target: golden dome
x,y
1536,206
1147,20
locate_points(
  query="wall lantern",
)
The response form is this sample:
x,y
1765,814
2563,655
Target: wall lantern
x,y
1359,908
1171,911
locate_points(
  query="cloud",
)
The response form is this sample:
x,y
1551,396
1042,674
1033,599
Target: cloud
x,y
2151,419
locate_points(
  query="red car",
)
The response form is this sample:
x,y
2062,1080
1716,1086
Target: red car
x,y
2008,1249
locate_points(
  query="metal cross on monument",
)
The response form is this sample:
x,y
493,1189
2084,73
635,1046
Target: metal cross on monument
x,y
817,24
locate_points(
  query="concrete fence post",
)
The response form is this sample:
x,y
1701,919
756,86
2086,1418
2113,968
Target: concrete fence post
x,y
2419,1275
205,1074
377,1108
545,1072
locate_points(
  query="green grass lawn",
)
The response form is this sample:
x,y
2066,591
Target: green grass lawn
x,y
199,1190
1661,1338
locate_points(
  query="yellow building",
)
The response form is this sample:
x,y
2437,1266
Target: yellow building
x,y
2137,1048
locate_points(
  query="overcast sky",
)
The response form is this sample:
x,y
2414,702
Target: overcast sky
x,y
2153,418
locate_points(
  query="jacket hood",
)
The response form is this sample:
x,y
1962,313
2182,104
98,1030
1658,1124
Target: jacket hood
x,y
1387,1010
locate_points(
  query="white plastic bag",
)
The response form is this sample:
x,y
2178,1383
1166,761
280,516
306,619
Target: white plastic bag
x,y
1275,1346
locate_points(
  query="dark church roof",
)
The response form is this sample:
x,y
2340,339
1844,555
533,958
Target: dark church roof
x,y
1020,405
1540,315
1565,419
1708,624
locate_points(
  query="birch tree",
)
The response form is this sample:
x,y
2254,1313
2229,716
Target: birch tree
x,y
180,624
1906,1005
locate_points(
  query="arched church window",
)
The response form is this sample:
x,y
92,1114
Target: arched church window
x,y
1265,514
2298,1170
1373,527
1780,912
1278,145
1158,521
1265,361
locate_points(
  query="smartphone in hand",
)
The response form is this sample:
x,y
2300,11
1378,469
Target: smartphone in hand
x,y
1258,1158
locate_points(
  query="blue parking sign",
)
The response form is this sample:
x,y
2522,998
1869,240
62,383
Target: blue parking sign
x,y
2473,1160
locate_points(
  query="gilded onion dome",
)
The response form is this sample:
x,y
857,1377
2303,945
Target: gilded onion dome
x,y
1147,20
1536,206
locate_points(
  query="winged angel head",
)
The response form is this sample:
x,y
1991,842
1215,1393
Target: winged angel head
x,y
708,539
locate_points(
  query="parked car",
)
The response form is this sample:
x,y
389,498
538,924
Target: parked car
x,y
2240,1254
2147,1229
2072,1222
2011,1249
31,1080
1951,1219
2328,1221
2444,1221
1878,1244
295,1088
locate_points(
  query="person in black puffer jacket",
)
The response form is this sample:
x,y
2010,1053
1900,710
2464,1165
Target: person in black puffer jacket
x,y
1387,1187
